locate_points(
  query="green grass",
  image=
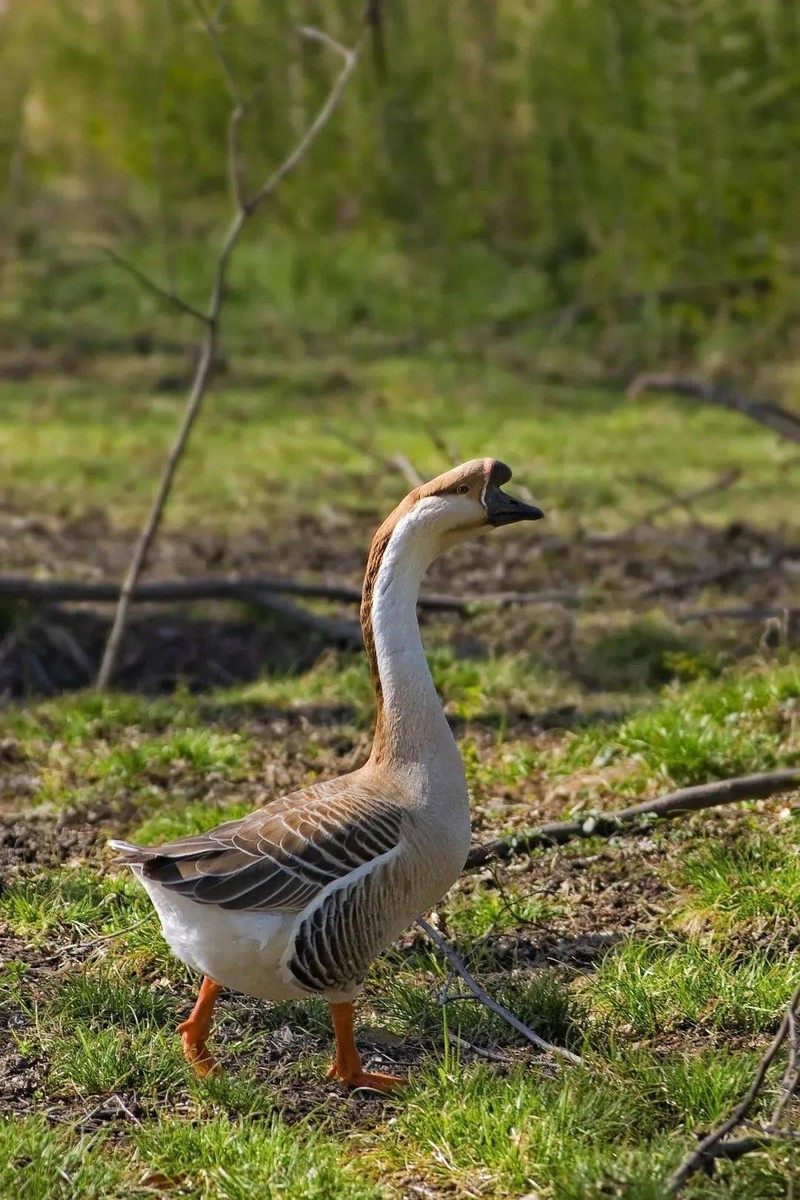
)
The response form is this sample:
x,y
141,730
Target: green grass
x,y
669,1023
66,444
695,946
755,880
652,986
739,723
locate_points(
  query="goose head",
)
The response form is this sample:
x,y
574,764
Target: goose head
x,y
465,502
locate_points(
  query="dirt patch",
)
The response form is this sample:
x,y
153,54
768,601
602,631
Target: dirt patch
x,y
45,651
44,841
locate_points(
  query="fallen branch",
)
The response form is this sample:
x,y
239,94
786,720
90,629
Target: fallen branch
x,y
721,575
716,577
333,629
397,464
487,1001
254,589
638,816
684,499
714,1145
737,614
243,209
778,419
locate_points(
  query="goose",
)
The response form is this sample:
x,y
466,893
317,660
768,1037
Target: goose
x,y
297,899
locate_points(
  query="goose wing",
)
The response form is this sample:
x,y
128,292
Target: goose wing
x,y
281,857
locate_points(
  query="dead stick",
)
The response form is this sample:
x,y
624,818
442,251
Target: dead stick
x,y
606,824
686,499
736,614
713,1144
487,1001
176,590
243,209
778,419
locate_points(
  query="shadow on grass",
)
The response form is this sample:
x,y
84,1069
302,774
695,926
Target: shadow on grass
x,y
48,652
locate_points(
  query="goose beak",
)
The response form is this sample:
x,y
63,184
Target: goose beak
x,y
502,509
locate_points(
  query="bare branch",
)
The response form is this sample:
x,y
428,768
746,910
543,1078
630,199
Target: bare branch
x,y
398,463
737,614
714,1145
235,169
344,633
638,816
211,26
778,419
255,589
461,1043
320,121
685,499
407,470
150,526
720,576
487,1001
165,294
243,210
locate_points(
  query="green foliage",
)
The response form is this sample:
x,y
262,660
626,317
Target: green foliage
x,y
607,138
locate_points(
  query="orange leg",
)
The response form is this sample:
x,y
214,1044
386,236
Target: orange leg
x,y
347,1064
195,1029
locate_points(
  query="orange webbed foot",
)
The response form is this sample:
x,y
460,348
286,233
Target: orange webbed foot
x,y
347,1064
375,1080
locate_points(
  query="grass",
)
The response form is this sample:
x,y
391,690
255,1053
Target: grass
x,y
96,444
665,962
740,723
710,985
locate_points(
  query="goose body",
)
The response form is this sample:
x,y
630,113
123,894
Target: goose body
x,y
298,898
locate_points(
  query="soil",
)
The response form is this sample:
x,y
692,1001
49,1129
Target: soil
x,y
47,650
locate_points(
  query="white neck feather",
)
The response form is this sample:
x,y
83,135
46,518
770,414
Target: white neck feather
x,y
415,727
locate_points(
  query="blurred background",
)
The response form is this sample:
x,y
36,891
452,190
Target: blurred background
x,y
517,209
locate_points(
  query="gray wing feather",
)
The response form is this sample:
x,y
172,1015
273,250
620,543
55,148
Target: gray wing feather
x,y
281,857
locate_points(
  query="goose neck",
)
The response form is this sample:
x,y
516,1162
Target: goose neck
x,y
410,724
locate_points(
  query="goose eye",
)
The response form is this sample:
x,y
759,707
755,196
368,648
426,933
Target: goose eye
x,y
462,489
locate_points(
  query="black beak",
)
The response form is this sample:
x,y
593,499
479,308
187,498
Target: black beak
x,y
502,509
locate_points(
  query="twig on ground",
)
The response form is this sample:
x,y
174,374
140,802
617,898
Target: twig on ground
x,y
455,1039
639,816
398,464
684,499
243,210
778,419
487,1001
333,629
720,575
256,589
714,1144
737,614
